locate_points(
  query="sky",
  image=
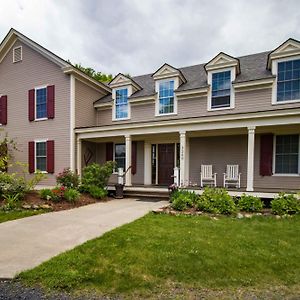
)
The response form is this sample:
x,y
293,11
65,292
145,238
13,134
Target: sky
x,y
138,36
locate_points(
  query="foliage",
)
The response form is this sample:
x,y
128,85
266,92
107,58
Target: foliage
x,y
68,178
250,203
71,195
199,255
11,201
11,184
97,175
285,204
46,194
97,192
181,199
216,200
58,193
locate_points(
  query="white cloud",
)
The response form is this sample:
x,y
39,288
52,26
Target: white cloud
x,y
138,36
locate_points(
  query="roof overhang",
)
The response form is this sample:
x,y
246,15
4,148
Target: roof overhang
x,y
166,71
221,61
121,80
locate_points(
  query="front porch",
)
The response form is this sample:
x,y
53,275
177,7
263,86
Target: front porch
x,y
153,157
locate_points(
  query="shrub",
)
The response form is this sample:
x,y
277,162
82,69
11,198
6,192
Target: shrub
x,y
216,200
11,184
71,195
182,199
285,204
46,194
58,193
250,203
97,175
97,192
68,178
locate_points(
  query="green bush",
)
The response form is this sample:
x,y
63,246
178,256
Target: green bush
x,y
97,175
71,195
68,178
46,194
97,192
285,204
181,199
216,200
11,202
250,203
11,184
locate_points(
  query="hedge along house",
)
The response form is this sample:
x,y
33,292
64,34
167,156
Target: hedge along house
x,y
230,111
241,111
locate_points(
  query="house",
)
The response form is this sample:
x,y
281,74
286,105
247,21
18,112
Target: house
x,y
241,111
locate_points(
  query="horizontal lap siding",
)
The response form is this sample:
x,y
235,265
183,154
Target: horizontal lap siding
x,y
272,182
15,81
219,152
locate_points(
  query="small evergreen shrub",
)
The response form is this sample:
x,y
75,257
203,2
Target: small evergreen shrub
x,y
182,200
250,203
97,192
217,201
68,178
71,195
285,204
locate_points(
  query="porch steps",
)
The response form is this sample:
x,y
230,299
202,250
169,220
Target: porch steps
x,y
147,195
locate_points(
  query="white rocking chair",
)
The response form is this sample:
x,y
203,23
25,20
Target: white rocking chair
x,y
207,176
232,176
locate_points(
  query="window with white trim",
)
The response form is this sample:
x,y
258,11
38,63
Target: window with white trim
x,y
221,89
288,80
41,103
41,156
120,155
287,154
121,104
166,97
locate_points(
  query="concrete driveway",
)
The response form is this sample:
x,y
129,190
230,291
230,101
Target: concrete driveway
x,y
25,243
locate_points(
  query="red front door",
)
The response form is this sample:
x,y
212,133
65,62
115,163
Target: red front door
x,y
165,163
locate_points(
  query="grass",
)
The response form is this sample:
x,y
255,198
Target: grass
x,y
167,255
18,214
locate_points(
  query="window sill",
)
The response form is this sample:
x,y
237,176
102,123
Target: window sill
x,y
286,175
41,119
220,108
121,119
165,115
42,172
286,102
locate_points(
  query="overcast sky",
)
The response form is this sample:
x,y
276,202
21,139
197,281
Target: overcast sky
x,y
138,36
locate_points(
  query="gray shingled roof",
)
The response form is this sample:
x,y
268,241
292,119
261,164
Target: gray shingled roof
x,y
252,67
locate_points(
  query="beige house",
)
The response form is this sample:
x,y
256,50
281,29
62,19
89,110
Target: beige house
x,y
241,112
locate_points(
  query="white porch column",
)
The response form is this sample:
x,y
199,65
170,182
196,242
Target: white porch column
x,y
128,160
250,162
79,158
182,157
147,163
187,161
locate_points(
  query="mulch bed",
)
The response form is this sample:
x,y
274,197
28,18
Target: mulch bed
x,y
33,201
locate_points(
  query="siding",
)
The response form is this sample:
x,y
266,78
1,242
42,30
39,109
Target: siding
x,y
219,152
15,81
247,101
85,113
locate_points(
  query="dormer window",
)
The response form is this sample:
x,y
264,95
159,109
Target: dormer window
x,y
166,97
121,104
288,80
221,86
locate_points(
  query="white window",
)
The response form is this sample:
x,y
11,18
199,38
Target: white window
x,y
41,103
121,104
41,156
166,97
288,80
17,54
120,155
221,89
286,154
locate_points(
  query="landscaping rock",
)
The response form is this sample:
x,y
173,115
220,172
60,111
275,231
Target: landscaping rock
x,y
45,206
26,206
34,206
239,216
249,216
277,217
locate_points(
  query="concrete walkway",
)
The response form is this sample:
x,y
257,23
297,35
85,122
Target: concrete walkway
x,y
25,243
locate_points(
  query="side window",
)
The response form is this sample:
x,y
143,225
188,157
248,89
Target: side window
x,y
221,88
41,103
120,155
41,156
166,97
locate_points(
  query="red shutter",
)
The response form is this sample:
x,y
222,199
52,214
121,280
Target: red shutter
x,y
3,110
50,101
31,167
133,157
31,105
109,151
50,156
266,154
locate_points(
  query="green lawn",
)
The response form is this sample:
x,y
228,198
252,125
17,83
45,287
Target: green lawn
x,y
164,256
13,215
